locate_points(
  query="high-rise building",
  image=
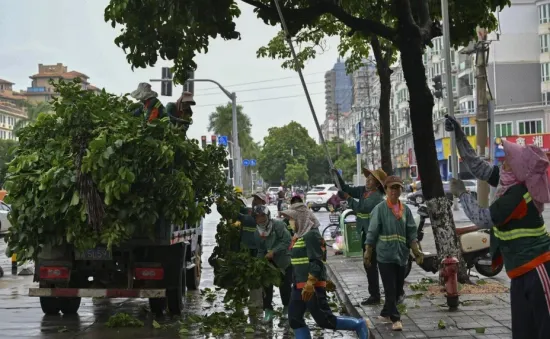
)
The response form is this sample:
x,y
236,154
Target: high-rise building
x,y
11,109
42,91
338,89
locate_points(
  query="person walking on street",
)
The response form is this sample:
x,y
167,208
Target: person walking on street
x,y
273,242
308,252
518,234
392,231
281,195
368,197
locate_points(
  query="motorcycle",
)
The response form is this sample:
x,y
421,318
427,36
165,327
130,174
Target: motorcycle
x,y
474,243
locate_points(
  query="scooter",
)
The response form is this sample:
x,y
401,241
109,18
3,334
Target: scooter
x,y
474,244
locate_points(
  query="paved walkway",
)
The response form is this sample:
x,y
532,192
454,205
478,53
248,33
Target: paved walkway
x,y
479,316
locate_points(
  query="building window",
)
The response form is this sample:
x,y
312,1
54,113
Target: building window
x,y
469,130
545,71
530,127
544,38
546,98
544,13
503,129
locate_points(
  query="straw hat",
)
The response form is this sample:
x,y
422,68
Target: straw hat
x,y
378,174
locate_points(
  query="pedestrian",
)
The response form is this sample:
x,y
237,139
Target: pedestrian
x,y
151,107
308,252
519,236
281,195
273,242
392,231
368,196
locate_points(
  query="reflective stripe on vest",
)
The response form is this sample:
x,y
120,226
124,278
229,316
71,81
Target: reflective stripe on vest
x,y
300,243
363,215
299,261
249,229
521,232
156,105
392,237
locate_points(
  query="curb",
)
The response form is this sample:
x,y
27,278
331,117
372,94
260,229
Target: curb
x,y
341,294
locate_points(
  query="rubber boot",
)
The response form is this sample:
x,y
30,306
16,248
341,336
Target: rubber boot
x,y
358,325
268,315
302,333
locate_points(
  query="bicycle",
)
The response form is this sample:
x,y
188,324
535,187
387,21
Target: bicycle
x,y
332,231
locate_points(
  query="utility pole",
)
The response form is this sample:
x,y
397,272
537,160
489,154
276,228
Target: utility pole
x,y
337,130
448,72
482,114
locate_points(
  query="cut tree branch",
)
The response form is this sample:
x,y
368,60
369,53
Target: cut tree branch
x,y
300,17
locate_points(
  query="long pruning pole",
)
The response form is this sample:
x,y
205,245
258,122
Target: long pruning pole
x,y
304,86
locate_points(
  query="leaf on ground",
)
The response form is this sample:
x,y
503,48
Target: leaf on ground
x,y
156,325
123,320
249,330
480,330
441,324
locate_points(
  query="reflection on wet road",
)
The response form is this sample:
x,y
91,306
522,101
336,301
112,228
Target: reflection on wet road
x,y
21,316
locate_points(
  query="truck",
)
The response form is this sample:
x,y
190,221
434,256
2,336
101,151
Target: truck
x,y
159,268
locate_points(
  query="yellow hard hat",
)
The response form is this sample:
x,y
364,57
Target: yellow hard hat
x,y
238,190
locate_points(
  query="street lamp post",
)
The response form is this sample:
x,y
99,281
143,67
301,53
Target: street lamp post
x,y
235,133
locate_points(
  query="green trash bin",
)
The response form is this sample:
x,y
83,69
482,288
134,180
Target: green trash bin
x,y
353,246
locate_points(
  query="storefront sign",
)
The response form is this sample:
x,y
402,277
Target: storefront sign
x,y
539,140
439,149
447,146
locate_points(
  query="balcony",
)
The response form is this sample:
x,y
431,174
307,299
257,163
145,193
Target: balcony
x,y
36,89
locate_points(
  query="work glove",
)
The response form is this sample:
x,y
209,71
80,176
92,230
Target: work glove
x,y
457,187
309,289
451,125
343,195
418,254
367,257
269,255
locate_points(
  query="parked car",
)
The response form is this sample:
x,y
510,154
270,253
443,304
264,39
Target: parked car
x,y
417,198
272,194
4,222
319,195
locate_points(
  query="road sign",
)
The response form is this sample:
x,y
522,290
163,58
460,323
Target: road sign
x,y
358,131
260,182
222,140
358,147
246,162
340,171
252,162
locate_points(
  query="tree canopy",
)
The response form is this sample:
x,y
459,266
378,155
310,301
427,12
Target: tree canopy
x,y
296,172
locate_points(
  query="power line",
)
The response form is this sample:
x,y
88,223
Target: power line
x,y
260,89
258,82
266,99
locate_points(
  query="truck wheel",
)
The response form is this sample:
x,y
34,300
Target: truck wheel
x,y
69,305
315,209
157,305
176,276
49,305
193,276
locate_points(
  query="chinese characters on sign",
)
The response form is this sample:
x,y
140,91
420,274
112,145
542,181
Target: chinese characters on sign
x,y
539,140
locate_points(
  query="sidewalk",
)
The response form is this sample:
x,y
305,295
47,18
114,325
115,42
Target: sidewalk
x,y
480,316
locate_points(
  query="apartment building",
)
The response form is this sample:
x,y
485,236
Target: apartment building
x,y
41,90
11,109
518,75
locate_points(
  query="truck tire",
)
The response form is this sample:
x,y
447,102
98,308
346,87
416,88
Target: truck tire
x,y
157,305
69,305
193,276
176,282
50,305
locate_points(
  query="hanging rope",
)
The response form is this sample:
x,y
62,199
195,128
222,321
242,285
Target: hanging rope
x,y
304,86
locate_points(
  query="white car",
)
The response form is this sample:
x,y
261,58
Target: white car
x,y
319,195
272,194
4,222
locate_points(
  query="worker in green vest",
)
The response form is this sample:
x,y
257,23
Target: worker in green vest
x,y
308,258
151,107
180,112
362,199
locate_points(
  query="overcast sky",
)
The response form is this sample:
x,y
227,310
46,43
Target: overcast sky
x,y
73,32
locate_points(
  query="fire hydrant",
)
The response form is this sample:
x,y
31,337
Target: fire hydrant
x,y
449,278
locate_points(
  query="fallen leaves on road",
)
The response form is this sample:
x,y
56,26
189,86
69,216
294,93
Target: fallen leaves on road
x,y
488,287
123,320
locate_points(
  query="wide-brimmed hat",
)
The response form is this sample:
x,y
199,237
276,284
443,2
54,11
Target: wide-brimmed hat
x,y
144,92
393,180
260,196
186,97
378,174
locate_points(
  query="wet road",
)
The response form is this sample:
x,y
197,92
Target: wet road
x,y
21,316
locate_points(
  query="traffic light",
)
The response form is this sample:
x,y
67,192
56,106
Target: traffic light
x,y
166,83
203,141
230,166
213,138
438,87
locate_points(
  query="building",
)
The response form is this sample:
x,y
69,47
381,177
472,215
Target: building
x,y
11,110
41,90
338,89
518,75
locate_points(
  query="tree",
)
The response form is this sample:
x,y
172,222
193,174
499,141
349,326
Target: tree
x,y
281,147
6,155
221,123
296,172
346,161
183,28
33,110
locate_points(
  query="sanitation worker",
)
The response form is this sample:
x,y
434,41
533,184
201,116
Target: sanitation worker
x,y
180,112
151,108
392,231
273,242
308,253
368,197
518,234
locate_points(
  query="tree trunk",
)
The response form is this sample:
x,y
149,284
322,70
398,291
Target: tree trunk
x,y
421,104
384,74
